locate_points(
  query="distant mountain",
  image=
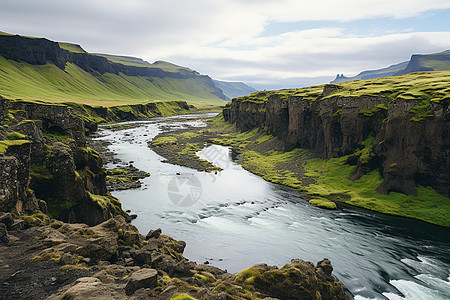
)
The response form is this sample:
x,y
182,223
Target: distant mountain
x,y
371,74
417,63
40,69
234,89
428,62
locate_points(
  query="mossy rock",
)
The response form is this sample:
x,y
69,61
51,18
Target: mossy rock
x,y
182,297
322,203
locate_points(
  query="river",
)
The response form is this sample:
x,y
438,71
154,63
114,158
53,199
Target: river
x,y
234,219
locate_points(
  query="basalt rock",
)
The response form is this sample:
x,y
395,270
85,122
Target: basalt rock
x,y
75,261
46,166
409,151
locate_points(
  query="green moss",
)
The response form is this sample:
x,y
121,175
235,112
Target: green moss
x,y
421,111
36,219
182,297
40,172
58,207
15,136
331,178
322,203
4,145
53,256
90,151
74,267
161,141
55,134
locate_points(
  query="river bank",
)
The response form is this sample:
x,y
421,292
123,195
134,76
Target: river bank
x,y
234,218
87,249
321,181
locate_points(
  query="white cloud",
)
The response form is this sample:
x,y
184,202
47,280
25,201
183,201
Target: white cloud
x,y
223,38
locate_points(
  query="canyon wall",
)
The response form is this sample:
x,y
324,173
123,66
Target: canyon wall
x,y
46,166
410,148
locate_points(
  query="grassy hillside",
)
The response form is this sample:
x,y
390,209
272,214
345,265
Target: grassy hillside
x,y
234,89
426,86
418,63
436,61
19,80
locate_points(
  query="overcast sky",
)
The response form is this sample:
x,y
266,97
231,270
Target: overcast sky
x,y
268,44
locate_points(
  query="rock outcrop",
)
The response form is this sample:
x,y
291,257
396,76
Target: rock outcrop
x,y
113,260
409,147
46,166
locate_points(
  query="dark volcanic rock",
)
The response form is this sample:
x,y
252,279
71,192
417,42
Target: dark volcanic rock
x,y
144,278
408,153
48,167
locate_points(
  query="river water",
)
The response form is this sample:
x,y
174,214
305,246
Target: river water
x,y
234,219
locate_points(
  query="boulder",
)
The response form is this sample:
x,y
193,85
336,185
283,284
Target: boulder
x,y
296,280
93,288
144,278
101,248
153,234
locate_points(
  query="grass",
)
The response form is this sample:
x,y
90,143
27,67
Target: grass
x,y
322,203
15,136
71,47
4,145
331,178
413,86
182,297
19,80
327,181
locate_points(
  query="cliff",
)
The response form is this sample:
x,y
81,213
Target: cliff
x,y
403,121
47,167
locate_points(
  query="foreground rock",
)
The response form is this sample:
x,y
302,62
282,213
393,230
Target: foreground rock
x,y
112,260
46,166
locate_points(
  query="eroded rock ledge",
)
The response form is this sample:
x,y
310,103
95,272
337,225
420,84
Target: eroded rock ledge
x,y
410,136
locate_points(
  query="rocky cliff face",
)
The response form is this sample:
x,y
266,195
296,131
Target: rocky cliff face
x,y
408,149
46,165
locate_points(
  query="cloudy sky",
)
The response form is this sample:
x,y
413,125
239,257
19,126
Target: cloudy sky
x,y
268,44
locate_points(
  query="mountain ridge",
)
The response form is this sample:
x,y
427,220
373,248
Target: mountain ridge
x,y
418,63
78,71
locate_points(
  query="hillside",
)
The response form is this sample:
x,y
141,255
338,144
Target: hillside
x,y
234,89
381,144
428,62
39,69
417,63
371,74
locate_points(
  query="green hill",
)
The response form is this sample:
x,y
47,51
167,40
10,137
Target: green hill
x,y
39,69
428,62
234,89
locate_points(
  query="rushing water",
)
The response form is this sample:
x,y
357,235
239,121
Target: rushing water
x,y
234,219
